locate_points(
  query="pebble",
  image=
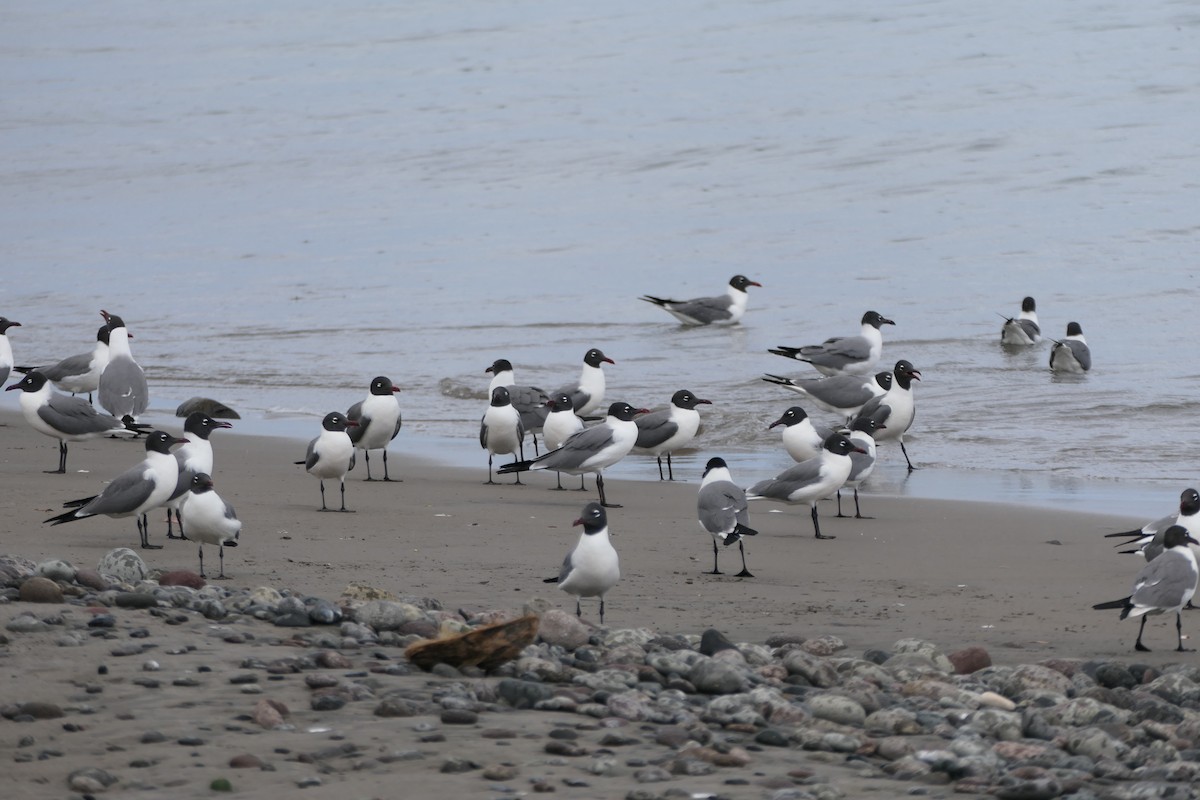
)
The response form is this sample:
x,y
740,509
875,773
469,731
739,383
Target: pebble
x,y
39,589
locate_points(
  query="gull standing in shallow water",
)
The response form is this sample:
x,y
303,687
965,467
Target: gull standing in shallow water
x,y
331,454
895,411
588,393
210,520
591,450
725,309
378,418
1023,329
135,491
78,374
663,432
811,480
723,511
1072,353
840,394
1165,584
844,355
122,390
591,568
68,419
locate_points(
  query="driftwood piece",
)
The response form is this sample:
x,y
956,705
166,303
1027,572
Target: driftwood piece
x,y
486,647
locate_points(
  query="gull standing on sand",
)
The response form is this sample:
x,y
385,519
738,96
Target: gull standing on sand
x,y
591,450
6,353
561,424
122,390
194,457
1071,354
135,491
68,419
811,480
723,511
895,411
725,309
378,418
530,401
331,454
844,355
862,464
1165,584
500,430
78,374
665,431
839,394
588,393
210,520
801,438
1023,329
1148,539
591,568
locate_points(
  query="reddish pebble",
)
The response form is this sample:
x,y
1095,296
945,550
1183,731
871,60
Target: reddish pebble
x,y
182,577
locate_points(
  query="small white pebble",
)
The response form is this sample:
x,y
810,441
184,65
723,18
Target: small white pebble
x,y
151,666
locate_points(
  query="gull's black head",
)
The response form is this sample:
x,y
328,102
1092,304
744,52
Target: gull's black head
x,y
594,519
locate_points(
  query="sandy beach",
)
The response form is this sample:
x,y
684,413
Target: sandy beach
x,y
1019,582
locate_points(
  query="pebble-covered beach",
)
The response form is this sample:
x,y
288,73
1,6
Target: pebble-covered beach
x,y
190,688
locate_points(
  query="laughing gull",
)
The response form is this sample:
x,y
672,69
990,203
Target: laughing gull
x,y
194,457
378,418
801,438
669,429
844,355
588,393
591,568
331,455
1148,539
210,520
530,401
894,411
78,374
1071,354
862,464
591,450
723,511
561,423
6,353
68,419
726,309
1023,329
122,389
838,394
135,491
811,480
500,430
1165,584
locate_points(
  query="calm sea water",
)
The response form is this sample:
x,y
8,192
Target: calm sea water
x,y
287,198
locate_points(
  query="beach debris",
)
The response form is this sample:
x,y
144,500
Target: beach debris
x,y
486,647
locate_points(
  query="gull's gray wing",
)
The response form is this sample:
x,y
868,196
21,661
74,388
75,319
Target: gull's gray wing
x,y
1163,582
705,309
567,566
838,350
655,428
721,506
788,481
1082,353
577,449
310,458
71,365
355,414
126,492
74,416
842,391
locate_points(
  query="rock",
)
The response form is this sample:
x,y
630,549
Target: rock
x,y
135,600
387,615
57,570
816,671
500,772
123,564
26,623
712,641
323,612
269,713
327,700
246,761
969,660
993,700
182,577
265,596
835,708
564,630
399,707
214,408
459,716
91,579
355,594
454,766
710,676
40,710
823,645
90,780
331,659
523,694
40,590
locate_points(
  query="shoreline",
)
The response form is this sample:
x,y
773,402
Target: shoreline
x,y
1018,580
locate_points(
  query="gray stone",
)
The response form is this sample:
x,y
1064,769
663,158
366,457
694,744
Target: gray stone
x,y
90,780
387,615
57,570
817,671
835,708
123,564
714,677
567,631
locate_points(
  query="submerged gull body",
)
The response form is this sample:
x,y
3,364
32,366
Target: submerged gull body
x,y
1071,354
725,309
1022,330
844,355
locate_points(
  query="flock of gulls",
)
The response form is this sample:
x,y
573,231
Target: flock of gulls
x,y
870,406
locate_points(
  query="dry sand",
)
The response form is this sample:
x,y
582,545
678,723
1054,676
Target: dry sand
x,y
1017,581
